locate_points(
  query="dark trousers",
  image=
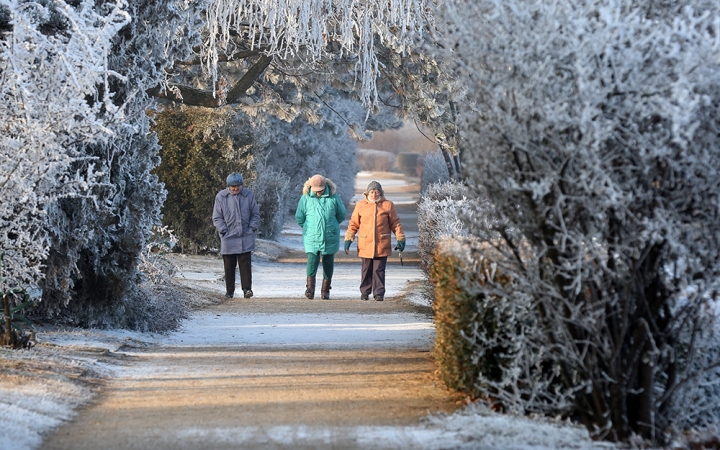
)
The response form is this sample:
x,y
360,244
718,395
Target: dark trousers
x,y
372,278
243,262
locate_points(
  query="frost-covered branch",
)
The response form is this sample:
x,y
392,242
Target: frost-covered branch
x,y
53,93
311,28
594,133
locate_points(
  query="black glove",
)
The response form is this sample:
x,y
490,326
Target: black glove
x,y
347,246
400,245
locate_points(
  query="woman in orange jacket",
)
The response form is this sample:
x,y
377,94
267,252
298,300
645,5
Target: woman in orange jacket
x,y
373,219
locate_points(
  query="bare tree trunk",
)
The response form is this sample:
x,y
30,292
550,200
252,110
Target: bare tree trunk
x,y
9,335
448,162
458,169
646,400
456,157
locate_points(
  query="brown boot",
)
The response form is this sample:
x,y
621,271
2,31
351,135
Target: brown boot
x,y
325,290
310,291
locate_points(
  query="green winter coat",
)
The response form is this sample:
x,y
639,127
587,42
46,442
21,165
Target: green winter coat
x,y
320,219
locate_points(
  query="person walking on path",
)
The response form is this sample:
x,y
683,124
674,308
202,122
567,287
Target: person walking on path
x,y
236,216
320,212
373,219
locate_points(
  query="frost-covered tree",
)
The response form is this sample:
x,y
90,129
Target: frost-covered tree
x,y
91,276
596,135
312,31
55,80
301,148
370,49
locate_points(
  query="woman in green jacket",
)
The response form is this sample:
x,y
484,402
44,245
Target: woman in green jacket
x,y
319,213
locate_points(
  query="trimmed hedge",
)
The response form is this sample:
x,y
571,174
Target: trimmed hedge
x,y
454,312
468,327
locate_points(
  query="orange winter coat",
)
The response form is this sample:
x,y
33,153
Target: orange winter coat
x,y
373,223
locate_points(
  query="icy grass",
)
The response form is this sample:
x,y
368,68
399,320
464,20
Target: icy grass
x,y
38,391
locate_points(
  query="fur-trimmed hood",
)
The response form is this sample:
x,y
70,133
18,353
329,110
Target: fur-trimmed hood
x,y
329,184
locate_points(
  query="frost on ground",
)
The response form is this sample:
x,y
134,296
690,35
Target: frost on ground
x,y
40,389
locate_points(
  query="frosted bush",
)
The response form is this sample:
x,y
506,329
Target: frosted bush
x,y
91,276
434,170
274,196
439,218
53,94
594,133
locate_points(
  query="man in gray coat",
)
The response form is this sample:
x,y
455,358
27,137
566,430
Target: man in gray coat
x,y
236,216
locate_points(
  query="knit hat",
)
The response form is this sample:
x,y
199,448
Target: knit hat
x,y
234,179
374,185
317,183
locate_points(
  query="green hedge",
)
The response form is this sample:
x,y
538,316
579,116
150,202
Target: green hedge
x,y
199,149
462,322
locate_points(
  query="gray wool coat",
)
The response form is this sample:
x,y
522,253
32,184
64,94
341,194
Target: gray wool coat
x,y
236,218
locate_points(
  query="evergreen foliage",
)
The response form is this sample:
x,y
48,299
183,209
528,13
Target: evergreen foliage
x,y
200,147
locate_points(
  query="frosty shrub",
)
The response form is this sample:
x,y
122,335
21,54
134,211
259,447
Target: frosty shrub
x,y
200,148
434,170
161,302
91,275
409,163
375,160
54,83
438,218
274,197
472,330
454,312
596,137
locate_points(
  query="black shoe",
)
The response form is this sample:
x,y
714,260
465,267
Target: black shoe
x,y
364,297
248,293
379,298
229,295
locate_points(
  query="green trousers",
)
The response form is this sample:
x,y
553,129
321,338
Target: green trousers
x,y
328,263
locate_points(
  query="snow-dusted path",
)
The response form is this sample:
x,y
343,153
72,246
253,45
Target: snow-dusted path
x,y
274,373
